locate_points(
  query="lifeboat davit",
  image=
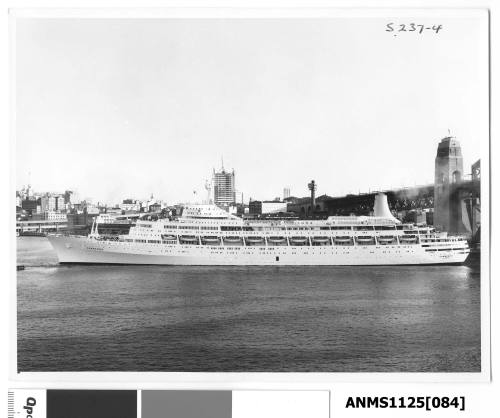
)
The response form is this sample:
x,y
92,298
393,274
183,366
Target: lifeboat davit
x,y
299,240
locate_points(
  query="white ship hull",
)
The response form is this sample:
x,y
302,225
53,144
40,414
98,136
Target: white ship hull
x,y
74,249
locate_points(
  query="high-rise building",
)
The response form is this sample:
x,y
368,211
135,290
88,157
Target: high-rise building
x,y
286,193
223,187
52,203
48,203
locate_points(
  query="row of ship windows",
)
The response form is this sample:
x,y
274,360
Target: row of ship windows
x,y
444,249
270,248
268,251
277,254
277,250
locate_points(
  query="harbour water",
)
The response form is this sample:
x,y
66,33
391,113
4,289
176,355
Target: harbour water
x,y
244,319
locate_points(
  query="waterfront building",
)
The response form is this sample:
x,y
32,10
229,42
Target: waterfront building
x,y
291,199
114,211
49,216
257,207
55,216
48,203
154,207
51,202
130,205
286,193
80,222
92,209
223,187
30,205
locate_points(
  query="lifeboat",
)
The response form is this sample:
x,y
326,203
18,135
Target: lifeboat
x,y
408,239
254,240
188,239
277,240
169,237
232,240
342,240
210,240
321,240
365,239
386,239
299,241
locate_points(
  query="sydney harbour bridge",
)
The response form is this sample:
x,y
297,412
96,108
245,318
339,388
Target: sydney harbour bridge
x,y
452,203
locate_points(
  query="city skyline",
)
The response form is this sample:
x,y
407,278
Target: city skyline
x,y
199,195
284,101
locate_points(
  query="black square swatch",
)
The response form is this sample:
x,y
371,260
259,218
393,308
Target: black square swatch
x,y
91,404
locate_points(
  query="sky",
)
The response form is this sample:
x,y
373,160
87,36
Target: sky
x,y
118,108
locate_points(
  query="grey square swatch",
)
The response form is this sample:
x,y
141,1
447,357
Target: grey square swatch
x,y
186,404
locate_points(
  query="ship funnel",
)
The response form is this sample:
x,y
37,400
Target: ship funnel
x,y
381,207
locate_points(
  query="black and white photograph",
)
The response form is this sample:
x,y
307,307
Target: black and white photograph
x,y
252,193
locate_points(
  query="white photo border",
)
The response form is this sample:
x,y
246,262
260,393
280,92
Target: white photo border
x,y
203,380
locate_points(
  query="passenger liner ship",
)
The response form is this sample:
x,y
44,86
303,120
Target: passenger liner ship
x,y
208,235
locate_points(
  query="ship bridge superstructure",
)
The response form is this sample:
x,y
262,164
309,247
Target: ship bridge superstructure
x,y
210,225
